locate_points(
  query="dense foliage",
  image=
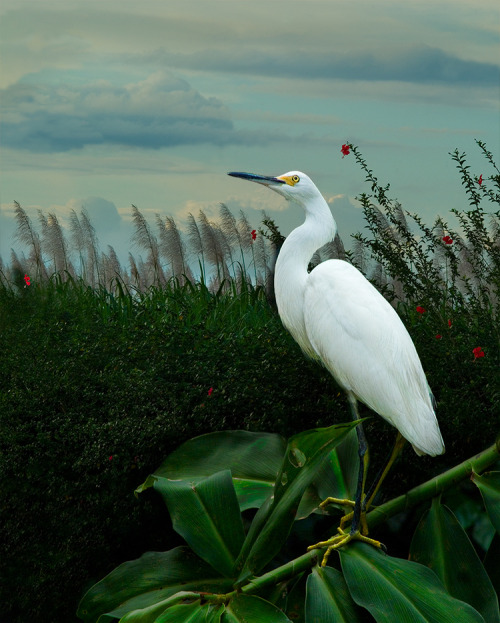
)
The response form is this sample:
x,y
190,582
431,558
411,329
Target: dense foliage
x,y
95,390
98,385
233,573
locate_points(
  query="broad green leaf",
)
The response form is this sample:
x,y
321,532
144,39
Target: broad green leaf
x,y
441,544
192,613
172,609
294,601
177,613
207,515
343,465
150,579
253,458
392,589
489,486
328,599
272,523
491,563
337,477
309,503
252,609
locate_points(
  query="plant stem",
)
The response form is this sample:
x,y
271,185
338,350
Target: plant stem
x,y
425,491
283,573
435,486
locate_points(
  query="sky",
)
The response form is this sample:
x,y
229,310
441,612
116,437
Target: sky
x,y
108,104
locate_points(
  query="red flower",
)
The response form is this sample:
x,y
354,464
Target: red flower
x,y
420,310
27,280
480,180
478,352
438,337
210,391
110,458
447,240
449,323
254,234
345,149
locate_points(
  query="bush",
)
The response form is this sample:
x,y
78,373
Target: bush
x,y
94,391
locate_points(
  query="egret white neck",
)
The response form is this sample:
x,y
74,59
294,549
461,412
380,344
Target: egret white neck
x,y
293,260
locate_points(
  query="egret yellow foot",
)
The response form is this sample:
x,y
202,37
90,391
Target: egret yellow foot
x,y
347,518
341,502
341,539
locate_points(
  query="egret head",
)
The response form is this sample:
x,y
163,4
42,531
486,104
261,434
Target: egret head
x,y
294,185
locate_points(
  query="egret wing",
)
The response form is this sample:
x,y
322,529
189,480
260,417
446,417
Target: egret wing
x,y
363,343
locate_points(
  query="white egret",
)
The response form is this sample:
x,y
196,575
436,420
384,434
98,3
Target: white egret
x,y
340,319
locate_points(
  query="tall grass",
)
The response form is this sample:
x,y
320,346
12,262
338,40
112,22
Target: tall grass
x,y
407,259
221,252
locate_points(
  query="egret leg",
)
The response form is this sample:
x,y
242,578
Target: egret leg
x,y
373,490
358,517
396,451
364,460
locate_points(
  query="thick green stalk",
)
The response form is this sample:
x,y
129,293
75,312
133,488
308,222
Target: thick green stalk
x,y
283,573
382,513
435,486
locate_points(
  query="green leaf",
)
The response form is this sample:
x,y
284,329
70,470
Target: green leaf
x,y
441,544
150,579
170,610
294,600
392,589
491,562
337,477
343,465
328,599
489,486
271,525
207,515
253,458
241,608
191,613
177,613
252,609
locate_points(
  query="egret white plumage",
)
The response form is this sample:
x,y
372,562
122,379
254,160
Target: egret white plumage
x,y
340,319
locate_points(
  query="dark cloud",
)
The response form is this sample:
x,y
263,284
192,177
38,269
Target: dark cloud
x,y
422,65
158,112
161,111
47,132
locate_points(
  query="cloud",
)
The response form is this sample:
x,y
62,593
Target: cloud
x,y
103,212
161,111
419,64
157,112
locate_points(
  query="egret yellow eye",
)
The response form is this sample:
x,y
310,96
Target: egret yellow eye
x,y
291,180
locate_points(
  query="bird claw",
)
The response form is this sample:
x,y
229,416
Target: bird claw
x,y
341,539
341,502
347,518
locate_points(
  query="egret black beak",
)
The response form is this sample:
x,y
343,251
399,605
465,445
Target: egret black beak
x,y
260,179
